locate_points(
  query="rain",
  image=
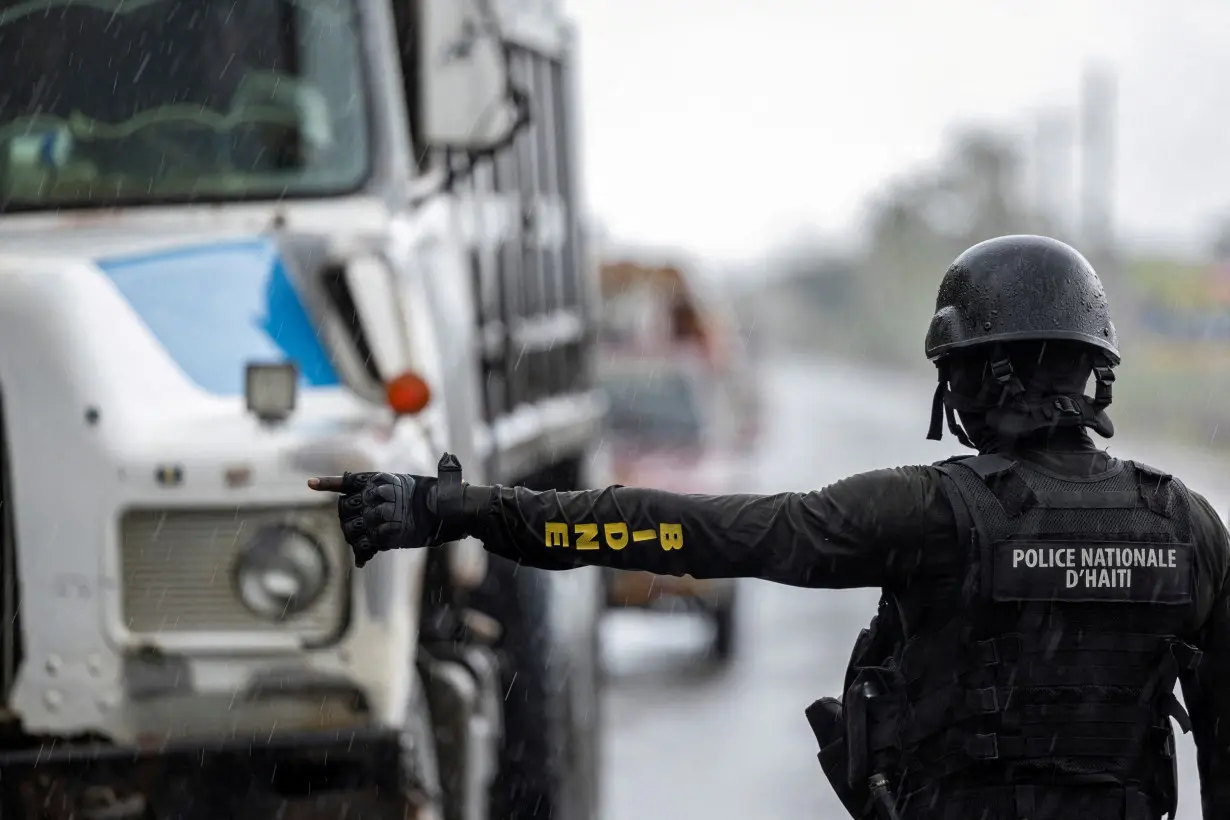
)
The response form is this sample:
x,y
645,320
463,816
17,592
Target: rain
x,y
683,245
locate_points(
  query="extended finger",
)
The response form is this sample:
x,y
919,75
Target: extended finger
x,y
345,483
326,484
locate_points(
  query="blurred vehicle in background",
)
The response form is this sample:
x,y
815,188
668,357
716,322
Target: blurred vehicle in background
x,y
671,426
683,416
664,308
299,250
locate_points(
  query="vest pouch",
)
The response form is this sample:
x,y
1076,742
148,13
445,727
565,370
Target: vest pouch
x,y
1165,776
1170,787
1180,661
826,721
860,655
872,711
877,642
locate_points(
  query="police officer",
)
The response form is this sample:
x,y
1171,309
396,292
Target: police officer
x,y
1040,597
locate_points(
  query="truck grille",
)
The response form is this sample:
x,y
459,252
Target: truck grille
x,y
528,268
176,568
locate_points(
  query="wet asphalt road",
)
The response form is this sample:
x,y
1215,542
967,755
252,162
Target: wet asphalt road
x,y
684,740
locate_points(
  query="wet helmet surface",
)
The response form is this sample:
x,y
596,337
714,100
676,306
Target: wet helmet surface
x,y
1018,288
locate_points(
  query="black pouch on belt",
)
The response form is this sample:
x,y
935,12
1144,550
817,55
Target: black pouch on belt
x,y
825,718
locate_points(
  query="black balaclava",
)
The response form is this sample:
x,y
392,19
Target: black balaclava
x,y
1015,390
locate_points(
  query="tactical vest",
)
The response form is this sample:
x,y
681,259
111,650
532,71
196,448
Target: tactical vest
x,y
1061,668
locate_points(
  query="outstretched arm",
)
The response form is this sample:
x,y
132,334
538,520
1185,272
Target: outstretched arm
x,y
868,530
858,532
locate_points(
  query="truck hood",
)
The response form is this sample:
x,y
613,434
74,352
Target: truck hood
x,y
94,233
212,302
91,243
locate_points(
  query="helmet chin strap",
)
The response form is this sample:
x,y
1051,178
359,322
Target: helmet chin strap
x,y
941,410
1011,412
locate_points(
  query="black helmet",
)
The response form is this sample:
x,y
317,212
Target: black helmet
x,y
1021,289
1016,288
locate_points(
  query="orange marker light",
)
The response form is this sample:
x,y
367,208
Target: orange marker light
x,y
408,394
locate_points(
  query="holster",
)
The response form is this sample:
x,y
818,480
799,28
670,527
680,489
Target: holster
x,y
825,718
849,769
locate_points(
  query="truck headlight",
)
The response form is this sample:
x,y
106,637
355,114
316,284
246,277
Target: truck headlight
x,y
270,390
280,573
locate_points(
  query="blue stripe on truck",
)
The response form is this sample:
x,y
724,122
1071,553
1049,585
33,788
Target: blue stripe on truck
x,y
218,307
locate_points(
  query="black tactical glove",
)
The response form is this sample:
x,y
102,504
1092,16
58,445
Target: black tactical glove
x,y
388,511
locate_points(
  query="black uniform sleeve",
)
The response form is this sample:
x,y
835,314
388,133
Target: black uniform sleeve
x,y
1207,694
862,531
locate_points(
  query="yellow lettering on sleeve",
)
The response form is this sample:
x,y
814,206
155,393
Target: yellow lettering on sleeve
x,y
556,535
616,535
587,536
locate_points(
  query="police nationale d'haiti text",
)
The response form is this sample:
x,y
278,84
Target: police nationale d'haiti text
x,y
1093,567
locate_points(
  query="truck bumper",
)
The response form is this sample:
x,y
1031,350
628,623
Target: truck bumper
x,y
291,774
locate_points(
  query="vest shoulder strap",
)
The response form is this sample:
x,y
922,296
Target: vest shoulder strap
x,y
990,465
986,466
1002,478
1156,487
1152,472
966,525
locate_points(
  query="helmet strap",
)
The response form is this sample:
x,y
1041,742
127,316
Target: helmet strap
x,y
997,398
942,410
936,431
1104,377
1040,413
1003,386
955,427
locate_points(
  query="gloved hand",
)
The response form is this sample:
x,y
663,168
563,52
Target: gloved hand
x,y
388,511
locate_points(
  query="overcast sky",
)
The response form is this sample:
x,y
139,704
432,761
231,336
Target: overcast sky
x,y
724,125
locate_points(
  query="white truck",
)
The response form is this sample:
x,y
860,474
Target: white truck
x,y
243,242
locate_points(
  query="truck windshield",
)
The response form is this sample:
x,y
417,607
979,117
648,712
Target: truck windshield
x,y
653,408
112,102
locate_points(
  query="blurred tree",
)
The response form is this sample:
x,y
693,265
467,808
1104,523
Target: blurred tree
x,y
824,279
925,219
974,194
984,183
904,216
879,303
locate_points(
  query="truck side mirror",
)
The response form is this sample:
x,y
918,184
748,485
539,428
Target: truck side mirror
x,y
467,104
